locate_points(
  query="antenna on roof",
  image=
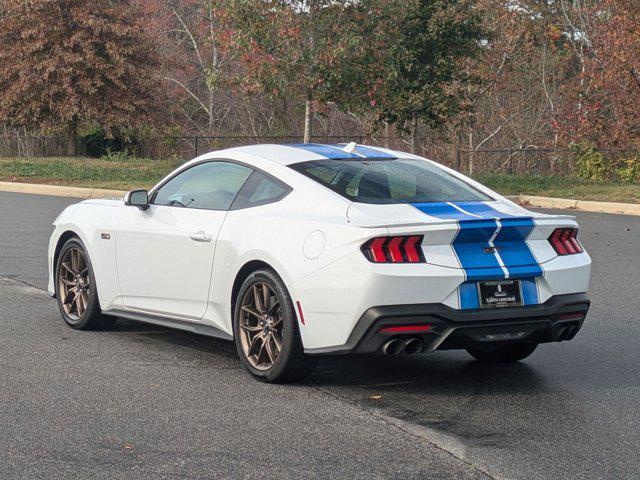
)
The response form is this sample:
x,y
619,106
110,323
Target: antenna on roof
x,y
350,147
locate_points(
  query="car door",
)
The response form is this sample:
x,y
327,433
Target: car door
x,y
164,254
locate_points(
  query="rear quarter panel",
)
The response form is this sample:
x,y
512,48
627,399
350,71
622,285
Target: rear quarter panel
x,y
297,236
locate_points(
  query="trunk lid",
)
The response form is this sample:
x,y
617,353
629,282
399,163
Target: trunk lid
x,y
488,240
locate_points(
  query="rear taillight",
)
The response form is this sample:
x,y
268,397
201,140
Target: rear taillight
x,y
396,249
564,241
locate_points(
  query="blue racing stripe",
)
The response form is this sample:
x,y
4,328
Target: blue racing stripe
x,y
514,251
469,296
482,209
469,244
474,235
370,152
446,211
525,271
529,292
328,151
471,240
511,240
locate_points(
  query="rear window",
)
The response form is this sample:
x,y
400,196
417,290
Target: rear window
x,y
390,181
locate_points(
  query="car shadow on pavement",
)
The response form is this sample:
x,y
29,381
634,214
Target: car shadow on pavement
x,y
149,333
445,373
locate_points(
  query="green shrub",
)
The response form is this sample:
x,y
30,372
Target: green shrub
x,y
116,156
590,163
630,173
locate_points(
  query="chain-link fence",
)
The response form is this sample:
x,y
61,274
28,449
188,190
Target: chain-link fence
x,y
184,147
539,161
474,162
31,146
188,147
514,161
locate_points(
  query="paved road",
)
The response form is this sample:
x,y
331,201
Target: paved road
x,y
146,402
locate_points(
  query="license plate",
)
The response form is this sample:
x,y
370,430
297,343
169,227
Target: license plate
x,y
500,293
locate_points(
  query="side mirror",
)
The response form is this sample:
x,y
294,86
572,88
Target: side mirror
x,y
137,198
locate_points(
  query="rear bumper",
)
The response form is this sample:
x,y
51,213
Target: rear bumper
x,y
558,319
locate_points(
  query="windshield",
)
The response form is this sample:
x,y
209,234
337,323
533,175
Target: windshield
x,y
390,181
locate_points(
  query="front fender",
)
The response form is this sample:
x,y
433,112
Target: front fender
x,y
61,233
94,225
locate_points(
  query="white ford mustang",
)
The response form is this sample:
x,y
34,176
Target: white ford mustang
x,y
294,251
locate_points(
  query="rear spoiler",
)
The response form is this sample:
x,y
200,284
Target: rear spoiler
x,y
547,219
399,216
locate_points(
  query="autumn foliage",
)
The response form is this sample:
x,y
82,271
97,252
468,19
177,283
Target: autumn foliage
x,y
458,74
68,62
609,114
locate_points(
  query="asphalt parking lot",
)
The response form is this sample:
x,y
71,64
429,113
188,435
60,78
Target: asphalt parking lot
x,y
146,402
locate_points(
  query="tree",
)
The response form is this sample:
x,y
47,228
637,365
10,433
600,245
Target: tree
x,y
67,62
515,101
425,80
529,86
195,70
310,49
607,89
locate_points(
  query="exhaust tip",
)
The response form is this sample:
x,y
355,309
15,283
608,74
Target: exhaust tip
x,y
396,346
413,346
393,347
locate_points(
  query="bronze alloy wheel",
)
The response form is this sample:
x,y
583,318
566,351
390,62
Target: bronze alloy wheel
x,y
74,283
261,326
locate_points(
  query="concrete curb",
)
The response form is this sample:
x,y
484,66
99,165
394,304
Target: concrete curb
x,y
526,200
586,205
59,191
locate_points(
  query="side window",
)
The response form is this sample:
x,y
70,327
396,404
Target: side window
x,y
211,185
260,190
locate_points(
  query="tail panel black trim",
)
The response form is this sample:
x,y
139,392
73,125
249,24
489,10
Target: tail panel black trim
x,y
549,322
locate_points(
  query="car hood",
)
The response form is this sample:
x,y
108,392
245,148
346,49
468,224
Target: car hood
x,y
106,202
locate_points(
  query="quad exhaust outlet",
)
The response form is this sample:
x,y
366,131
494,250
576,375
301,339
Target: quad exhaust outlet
x,y
396,346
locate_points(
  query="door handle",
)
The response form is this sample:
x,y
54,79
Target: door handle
x,y
200,236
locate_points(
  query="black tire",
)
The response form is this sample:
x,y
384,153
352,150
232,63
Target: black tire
x,y
291,363
91,317
506,354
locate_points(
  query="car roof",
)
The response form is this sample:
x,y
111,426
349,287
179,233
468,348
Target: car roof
x,y
274,158
288,154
